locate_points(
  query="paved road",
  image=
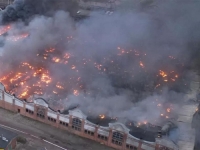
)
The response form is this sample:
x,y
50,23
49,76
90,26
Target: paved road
x,y
25,134
49,135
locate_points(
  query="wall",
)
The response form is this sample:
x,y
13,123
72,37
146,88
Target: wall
x,y
13,143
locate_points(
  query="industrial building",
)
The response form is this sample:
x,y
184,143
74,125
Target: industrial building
x,y
109,132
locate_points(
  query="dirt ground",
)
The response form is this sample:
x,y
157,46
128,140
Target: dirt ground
x,y
47,132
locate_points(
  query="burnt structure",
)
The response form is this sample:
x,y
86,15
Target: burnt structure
x,y
107,131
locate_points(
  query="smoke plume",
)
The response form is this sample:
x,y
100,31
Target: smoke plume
x,y
133,64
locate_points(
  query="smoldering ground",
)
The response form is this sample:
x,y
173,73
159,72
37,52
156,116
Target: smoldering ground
x,y
107,52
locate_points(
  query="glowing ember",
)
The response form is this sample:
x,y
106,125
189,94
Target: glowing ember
x,y
25,93
141,64
18,37
55,59
50,50
163,74
67,56
73,67
102,116
34,77
55,92
145,122
4,29
76,93
45,78
159,105
59,86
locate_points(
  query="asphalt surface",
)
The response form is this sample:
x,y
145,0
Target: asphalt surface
x,y
51,137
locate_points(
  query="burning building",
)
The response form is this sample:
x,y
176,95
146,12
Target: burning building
x,y
103,129
128,82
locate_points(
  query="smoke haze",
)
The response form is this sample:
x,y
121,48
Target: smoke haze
x,y
115,60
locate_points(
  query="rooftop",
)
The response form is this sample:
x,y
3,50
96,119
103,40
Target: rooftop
x,y
66,111
145,132
99,121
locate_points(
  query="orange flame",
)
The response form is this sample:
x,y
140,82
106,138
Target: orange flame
x,y
5,29
141,64
102,116
162,73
